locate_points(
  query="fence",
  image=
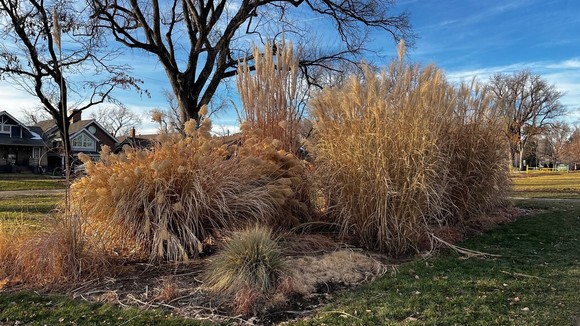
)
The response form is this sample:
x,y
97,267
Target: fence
x,y
531,169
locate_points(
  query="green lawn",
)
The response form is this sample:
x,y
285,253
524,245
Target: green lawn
x,y
547,185
33,309
533,282
29,182
27,210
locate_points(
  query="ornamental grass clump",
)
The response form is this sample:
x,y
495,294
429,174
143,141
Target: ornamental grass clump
x,y
49,256
269,91
165,202
271,115
474,154
248,269
402,152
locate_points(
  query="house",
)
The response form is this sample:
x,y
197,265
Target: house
x,y
86,136
136,141
21,147
39,147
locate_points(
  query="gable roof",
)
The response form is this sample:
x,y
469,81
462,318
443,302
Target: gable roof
x,y
78,126
141,141
48,126
32,138
14,119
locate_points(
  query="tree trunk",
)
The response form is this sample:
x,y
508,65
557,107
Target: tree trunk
x,y
187,102
521,159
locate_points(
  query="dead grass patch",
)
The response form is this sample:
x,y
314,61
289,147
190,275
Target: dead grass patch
x,y
347,267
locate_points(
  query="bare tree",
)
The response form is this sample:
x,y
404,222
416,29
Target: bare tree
x,y
118,120
200,43
572,148
169,119
34,115
32,57
529,104
554,141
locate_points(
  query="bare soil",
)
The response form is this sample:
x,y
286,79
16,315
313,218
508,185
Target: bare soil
x,y
178,288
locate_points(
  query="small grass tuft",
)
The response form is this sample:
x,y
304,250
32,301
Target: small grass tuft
x,y
249,268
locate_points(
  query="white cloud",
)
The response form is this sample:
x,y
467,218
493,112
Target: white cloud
x,y
562,74
14,100
566,64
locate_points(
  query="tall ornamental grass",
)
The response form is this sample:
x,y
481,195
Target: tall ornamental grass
x,y
403,151
165,202
269,91
474,152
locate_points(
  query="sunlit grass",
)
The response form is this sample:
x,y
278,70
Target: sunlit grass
x,y
27,211
548,185
34,309
35,183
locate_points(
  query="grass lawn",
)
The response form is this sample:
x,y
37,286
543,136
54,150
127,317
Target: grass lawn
x,y
533,282
28,211
29,182
547,185
33,309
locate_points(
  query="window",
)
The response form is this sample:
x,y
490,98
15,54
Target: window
x,y
84,141
5,129
35,152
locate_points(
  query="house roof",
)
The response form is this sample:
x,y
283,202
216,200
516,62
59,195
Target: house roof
x,y
21,141
45,125
141,141
49,125
77,126
36,130
31,138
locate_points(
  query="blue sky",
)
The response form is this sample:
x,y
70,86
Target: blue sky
x,y
463,37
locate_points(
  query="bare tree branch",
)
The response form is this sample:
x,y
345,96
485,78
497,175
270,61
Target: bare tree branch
x,y
199,43
41,67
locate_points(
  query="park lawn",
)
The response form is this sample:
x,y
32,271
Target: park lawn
x,y
32,309
29,211
9,182
547,185
533,282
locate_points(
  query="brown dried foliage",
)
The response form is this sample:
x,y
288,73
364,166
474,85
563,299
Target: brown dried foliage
x,y
400,152
166,201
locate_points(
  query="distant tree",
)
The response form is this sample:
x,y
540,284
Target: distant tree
x,y
34,115
169,119
200,43
554,141
118,120
529,105
32,57
572,148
